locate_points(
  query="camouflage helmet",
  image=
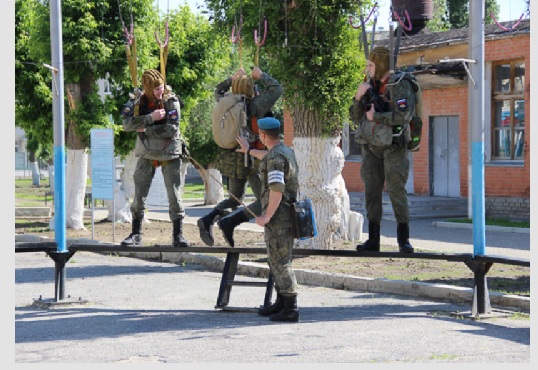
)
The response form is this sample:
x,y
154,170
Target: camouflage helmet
x,y
243,85
380,57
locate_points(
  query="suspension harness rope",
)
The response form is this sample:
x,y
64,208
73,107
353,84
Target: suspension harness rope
x,y
220,183
163,45
130,47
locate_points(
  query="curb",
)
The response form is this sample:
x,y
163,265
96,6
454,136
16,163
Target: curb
x,y
462,225
325,279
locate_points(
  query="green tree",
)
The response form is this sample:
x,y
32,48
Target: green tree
x,y
458,12
94,47
92,39
33,98
312,50
440,21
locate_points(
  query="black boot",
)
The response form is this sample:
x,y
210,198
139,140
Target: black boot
x,y
205,225
227,224
135,238
177,234
402,235
274,308
372,244
290,313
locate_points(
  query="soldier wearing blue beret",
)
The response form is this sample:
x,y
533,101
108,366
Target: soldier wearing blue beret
x,y
231,164
279,187
268,123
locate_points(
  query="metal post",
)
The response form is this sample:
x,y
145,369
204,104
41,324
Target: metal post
x,y
58,119
476,122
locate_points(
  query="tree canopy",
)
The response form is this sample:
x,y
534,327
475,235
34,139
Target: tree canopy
x,y
94,47
310,48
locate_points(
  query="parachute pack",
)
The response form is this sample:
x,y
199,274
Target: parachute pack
x,y
415,126
229,119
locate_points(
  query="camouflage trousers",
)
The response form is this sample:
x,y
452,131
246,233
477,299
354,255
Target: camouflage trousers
x,y
143,177
279,242
238,187
390,165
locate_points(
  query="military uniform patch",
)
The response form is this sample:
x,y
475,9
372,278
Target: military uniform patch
x,y
173,115
402,104
126,110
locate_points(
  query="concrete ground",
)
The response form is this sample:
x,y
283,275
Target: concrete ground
x,y
130,310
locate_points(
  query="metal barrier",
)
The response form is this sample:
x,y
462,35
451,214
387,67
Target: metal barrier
x,y
479,265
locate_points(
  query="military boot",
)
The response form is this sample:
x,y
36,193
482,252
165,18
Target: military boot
x,y
274,308
289,313
177,234
402,235
228,223
205,226
135,238
372,244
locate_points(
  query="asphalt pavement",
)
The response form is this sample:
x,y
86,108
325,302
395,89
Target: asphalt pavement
x,y
141,311
122,309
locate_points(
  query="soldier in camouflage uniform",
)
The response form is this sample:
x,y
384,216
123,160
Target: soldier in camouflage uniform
x,y
232,163
280,184
384,162
155,117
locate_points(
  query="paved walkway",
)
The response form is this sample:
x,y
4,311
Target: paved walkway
x,y
131,310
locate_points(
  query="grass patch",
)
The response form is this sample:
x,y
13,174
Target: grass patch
x,y
28,195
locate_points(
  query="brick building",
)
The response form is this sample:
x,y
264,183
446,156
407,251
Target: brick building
x,y
441,166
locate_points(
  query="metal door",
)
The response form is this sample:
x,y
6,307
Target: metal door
x,y
445,154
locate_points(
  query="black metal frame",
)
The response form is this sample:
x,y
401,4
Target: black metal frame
x,y
479,265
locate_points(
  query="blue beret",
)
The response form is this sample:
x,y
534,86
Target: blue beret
x,y
268,123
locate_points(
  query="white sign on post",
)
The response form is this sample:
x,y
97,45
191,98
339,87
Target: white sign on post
x,y
103,163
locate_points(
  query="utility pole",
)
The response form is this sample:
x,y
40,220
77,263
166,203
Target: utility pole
x,y
58,119
476,122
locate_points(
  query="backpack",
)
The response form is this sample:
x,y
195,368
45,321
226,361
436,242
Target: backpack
x,y
415,125
229,120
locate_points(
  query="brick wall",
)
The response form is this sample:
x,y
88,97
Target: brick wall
x,y
509,208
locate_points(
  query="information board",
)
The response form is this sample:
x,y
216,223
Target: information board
x,y
103,163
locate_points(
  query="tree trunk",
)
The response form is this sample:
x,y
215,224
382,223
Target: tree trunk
x,y
120,210
75,184
214,190
320,163
127,183
77,166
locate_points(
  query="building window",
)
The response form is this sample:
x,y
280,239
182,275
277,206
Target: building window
x,y
508,111
351,149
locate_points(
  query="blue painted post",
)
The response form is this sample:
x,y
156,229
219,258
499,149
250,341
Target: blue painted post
x,y
476,122
58,119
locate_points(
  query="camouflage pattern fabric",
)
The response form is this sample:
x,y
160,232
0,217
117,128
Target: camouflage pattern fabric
x,y
162,139
400,113
231,163
278,234
160,144
143,177
390,164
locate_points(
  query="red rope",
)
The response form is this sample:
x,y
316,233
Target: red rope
x,y
506,28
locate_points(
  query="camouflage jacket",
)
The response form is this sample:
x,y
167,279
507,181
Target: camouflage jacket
x,y
279,172
162,139
229,162
388,123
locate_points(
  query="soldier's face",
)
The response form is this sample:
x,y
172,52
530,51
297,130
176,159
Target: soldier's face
x,y
158,92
